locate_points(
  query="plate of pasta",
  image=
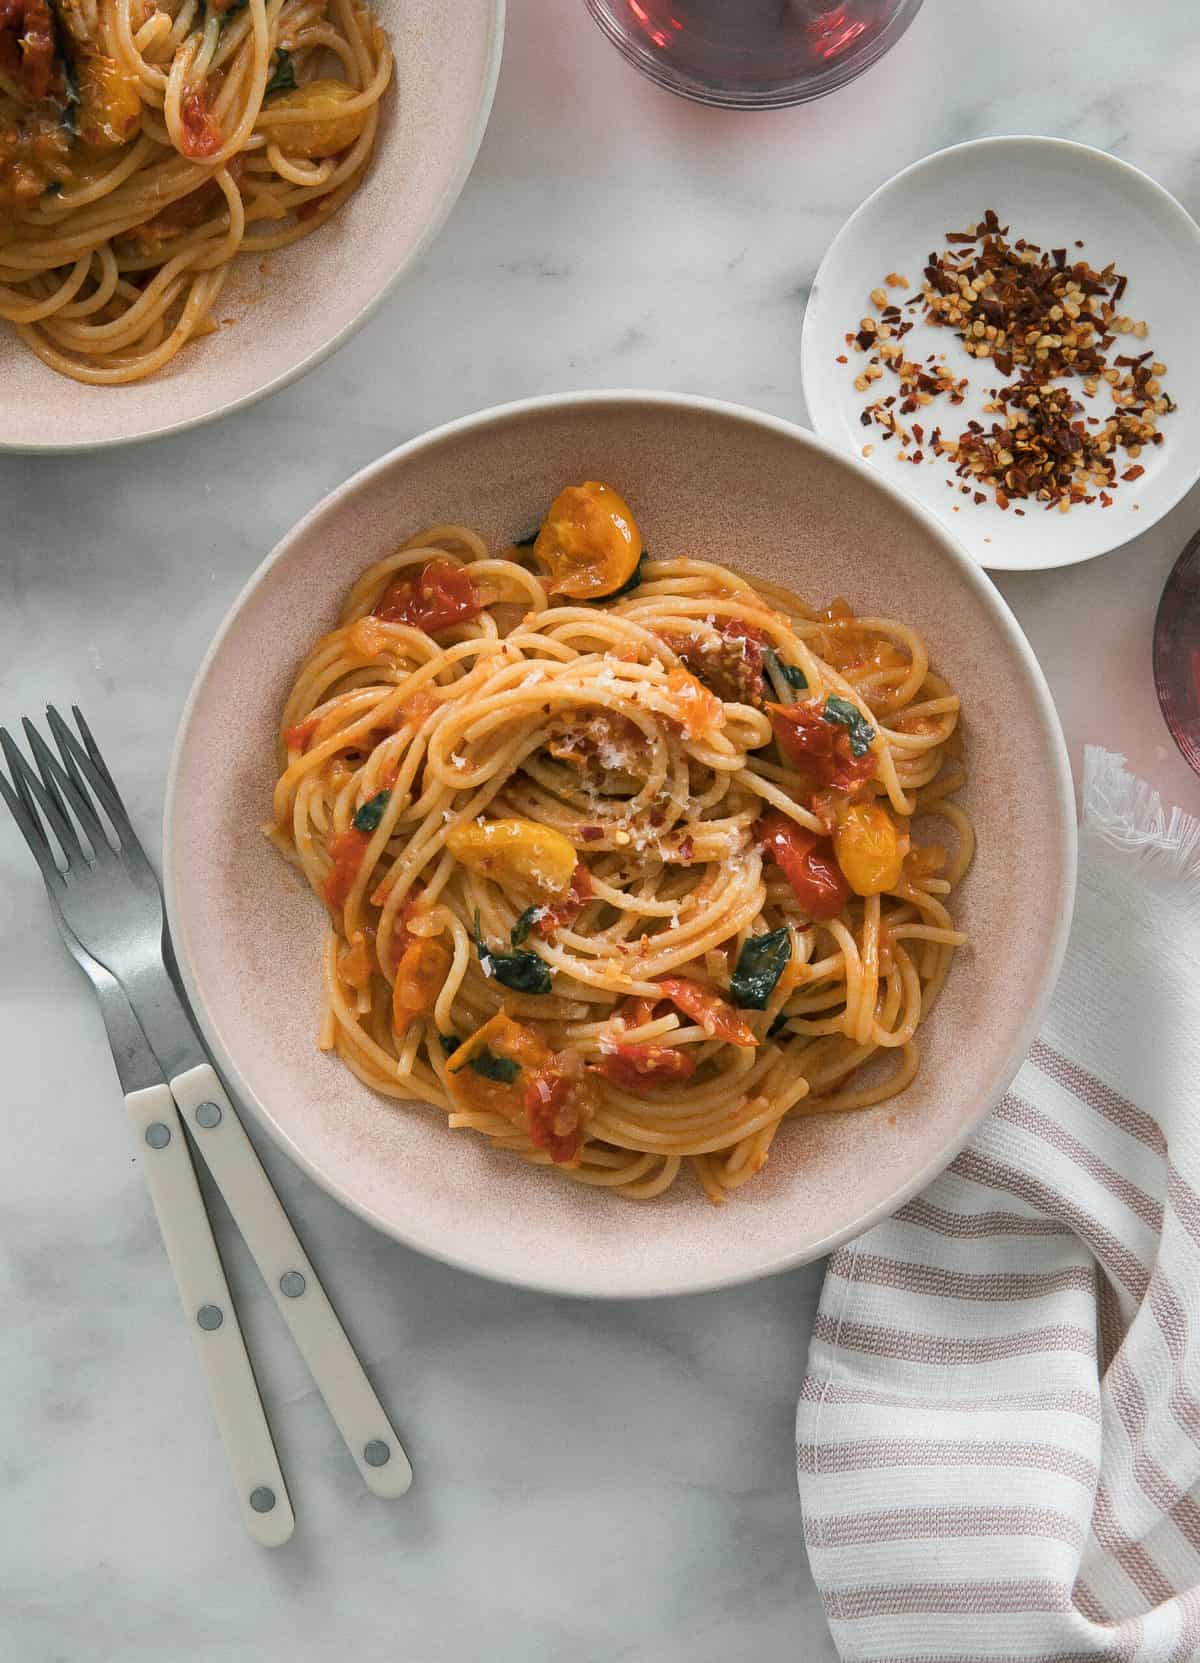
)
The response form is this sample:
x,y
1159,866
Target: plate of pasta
x,y
620,846
199,199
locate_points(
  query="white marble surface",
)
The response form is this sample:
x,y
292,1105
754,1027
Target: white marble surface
x,y
593,1482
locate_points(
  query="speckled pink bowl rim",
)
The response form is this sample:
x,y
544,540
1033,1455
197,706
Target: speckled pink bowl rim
x,y
247,938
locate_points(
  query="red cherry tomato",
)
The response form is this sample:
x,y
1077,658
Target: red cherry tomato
x,y
201,135
718,1018
433,598
347,849
820,748
807,862
642,1068
559,1104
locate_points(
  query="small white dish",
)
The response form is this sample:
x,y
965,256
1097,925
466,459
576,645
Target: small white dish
x,y
1053,193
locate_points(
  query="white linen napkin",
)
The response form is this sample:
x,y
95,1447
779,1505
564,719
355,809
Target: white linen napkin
x,y
998,1437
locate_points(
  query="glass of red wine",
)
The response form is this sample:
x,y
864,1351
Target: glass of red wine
x,y
1177,653
753,54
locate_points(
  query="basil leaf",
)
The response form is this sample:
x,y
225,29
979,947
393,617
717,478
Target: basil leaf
x,y
449,1043
526,542
522,972
779,1024
371,813
760,964
791,674
284,77
491,1066
843,714
524,924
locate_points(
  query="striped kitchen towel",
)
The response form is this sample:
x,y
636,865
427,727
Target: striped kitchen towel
x,y
998,1438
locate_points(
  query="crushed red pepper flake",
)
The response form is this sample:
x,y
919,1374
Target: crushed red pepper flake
x,y
1042,318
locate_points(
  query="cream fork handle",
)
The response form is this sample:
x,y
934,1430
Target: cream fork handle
x,y
302,1301
200,1278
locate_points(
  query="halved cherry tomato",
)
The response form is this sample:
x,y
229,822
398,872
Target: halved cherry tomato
x,y
572,904
807,862
420,977
201,135
718,1018
695,709
870,848
513,1043
589,543
347,849
820,748
516,853
559,1103
328,129
640,1068
433,598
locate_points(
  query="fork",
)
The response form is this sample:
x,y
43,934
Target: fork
x,y
108,905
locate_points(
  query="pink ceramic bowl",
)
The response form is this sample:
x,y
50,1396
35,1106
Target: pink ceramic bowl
x,y
317,292
721,483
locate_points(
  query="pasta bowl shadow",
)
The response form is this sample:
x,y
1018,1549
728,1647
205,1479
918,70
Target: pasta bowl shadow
x,y
719,483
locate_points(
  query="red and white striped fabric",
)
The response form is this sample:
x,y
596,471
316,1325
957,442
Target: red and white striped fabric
x,y
998,1438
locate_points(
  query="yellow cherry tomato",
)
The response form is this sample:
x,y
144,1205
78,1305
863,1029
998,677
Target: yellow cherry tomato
x,y
589,543
508,1058
420,977
110,106
870,848
516,853
328,129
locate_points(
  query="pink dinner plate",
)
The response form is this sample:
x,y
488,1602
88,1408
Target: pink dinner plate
x,y
288,312
720,483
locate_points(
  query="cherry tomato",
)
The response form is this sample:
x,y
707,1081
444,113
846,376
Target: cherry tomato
x,y
642,1068
347,849
718,1018
559,1103
807,862
514,1055
819,748
869,848
327,130
433,598
201,135
695,709
516,853
572,904
420,977
589,543
110,105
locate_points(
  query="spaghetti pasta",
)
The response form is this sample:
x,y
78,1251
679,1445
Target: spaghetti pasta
x,y
621,880
146,143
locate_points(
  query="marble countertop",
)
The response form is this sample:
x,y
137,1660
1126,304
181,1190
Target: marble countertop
x,y
593,1482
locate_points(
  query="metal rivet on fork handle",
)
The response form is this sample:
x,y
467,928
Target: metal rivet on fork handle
x,y
292,1284
208,1115
157,1135
210,1317
262,1499
377,1453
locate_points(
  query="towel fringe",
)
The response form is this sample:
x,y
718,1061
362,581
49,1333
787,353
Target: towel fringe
x,y
1128,814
